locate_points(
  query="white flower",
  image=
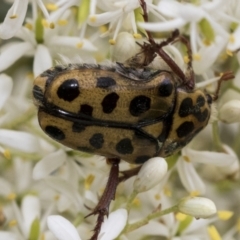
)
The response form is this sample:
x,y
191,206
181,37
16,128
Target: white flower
x,y
151,173
120,14
187,173
16,15
197,207
63,229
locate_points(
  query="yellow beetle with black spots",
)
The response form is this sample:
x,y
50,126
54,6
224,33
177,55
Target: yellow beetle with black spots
x,y
119,112
126,111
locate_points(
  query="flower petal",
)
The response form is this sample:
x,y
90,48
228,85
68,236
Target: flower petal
x,y
22,141
42,60
62,228
189,177
30,211
6,85
163,26
214,158
12,52
67,189
73,42
14,19
110,230
49,164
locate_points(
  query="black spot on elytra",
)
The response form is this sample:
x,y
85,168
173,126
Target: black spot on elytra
x,y
78,127
86,109
124,146
85,149
201,116
166,88
109,102
68,90
200,101
139,105
185,107
105,82
142,159
55,133
185,129
96,140
38,93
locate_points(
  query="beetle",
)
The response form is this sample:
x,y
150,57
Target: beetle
x,y
116,112
124,111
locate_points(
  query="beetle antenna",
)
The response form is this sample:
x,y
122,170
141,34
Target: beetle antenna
x,y
225,77
186,80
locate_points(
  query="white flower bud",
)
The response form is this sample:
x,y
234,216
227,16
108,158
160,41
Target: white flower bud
x,y
151,173
125,47
197,207
230,112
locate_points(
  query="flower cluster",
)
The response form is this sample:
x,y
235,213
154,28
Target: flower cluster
x,y
46,189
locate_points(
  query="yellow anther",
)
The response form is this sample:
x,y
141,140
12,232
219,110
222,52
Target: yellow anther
x,y
13,16
51,25
186,59
62,22
7,154
92,18
103,29
231,39
186,159
56,197
136,202
51,6
45,23
238,225
167,192
88,181
213,233
137,35
229,53
224,215
112,41
80,45
197,57
11,196
12,223
194,193
28,26
157,196
180,216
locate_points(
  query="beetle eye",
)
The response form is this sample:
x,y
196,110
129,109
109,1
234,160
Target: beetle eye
x,y
209,99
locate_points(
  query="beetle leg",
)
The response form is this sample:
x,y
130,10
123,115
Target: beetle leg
x,y
129,173
102,207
